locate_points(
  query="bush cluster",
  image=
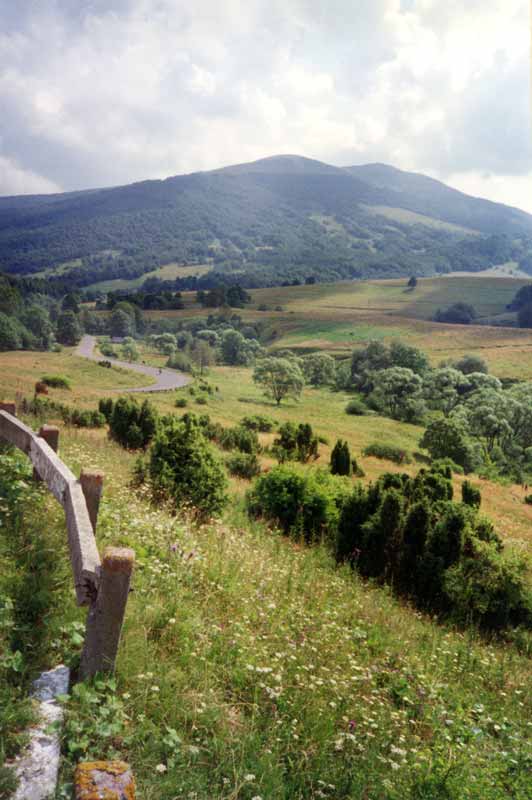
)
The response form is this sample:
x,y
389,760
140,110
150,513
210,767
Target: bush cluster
x,y
296,443
387,451
356,407
258,422
43,408
132,425
407,532
244,465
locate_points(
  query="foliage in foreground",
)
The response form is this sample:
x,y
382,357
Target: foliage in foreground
x,y
252,668
32,583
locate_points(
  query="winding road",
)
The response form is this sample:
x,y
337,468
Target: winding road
x,y
166,379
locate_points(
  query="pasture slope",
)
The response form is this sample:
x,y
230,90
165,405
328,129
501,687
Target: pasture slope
x,y
252,668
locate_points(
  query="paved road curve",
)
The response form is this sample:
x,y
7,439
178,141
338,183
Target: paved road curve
x,y
166,379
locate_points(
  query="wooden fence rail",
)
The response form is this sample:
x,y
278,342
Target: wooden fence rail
x,y
101,584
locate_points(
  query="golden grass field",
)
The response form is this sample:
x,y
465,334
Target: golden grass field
x,y
337,317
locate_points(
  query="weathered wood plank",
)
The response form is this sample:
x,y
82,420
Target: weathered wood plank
x,y
50,468
106,614
84,555
15,432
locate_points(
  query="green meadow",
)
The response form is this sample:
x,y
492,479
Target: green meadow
x,y
252,667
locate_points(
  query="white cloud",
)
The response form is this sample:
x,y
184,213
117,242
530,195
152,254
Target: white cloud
x,y
112,91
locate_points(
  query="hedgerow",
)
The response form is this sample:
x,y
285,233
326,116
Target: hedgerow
x,y
407,532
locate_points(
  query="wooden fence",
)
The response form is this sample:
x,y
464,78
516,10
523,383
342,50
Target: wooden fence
x,y
101,584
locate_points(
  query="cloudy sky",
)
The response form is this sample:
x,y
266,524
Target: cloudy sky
x,y
104,92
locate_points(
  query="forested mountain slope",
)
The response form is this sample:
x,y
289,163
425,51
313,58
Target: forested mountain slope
x,y
277,219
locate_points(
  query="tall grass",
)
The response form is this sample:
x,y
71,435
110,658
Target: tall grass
x,y
251,668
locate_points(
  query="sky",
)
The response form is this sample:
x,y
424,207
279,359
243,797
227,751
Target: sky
x,y
107,92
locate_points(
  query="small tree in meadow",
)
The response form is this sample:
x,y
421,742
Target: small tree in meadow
x,y
280,378
341,463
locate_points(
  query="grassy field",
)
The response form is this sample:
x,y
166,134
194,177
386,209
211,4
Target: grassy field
x,y
406,217
168,272
251,667
238,397
19,371
335,317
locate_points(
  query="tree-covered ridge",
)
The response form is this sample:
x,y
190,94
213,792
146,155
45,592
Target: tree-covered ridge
x,y
274,220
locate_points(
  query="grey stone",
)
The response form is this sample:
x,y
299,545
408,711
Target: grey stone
x,y
38,766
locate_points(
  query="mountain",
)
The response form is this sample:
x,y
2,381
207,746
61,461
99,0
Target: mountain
x,y
426,195
277,219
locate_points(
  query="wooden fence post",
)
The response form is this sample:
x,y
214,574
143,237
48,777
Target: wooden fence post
x,y
106,614
50,434
92,486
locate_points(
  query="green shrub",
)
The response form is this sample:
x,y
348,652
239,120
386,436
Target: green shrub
x,y
489,590
471,495
106,364
356,407
243,465
302,503
341,463
295,443
259,423
201,400
406,532
56,382
133,425
107,350
87,419
388,452
185,468
239,438
140,472
528,499
180,361
181,402
105,407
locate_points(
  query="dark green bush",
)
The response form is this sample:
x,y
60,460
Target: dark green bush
x,y
471,495
406,532
181,402
243,465
295,443
341,463
259,423
201,400
106,364
489,590
105,407
239,438
133,425
87,419
186,469
388,452
357,407
56,381
528,499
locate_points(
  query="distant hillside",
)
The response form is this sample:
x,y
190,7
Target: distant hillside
x,y
279,219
